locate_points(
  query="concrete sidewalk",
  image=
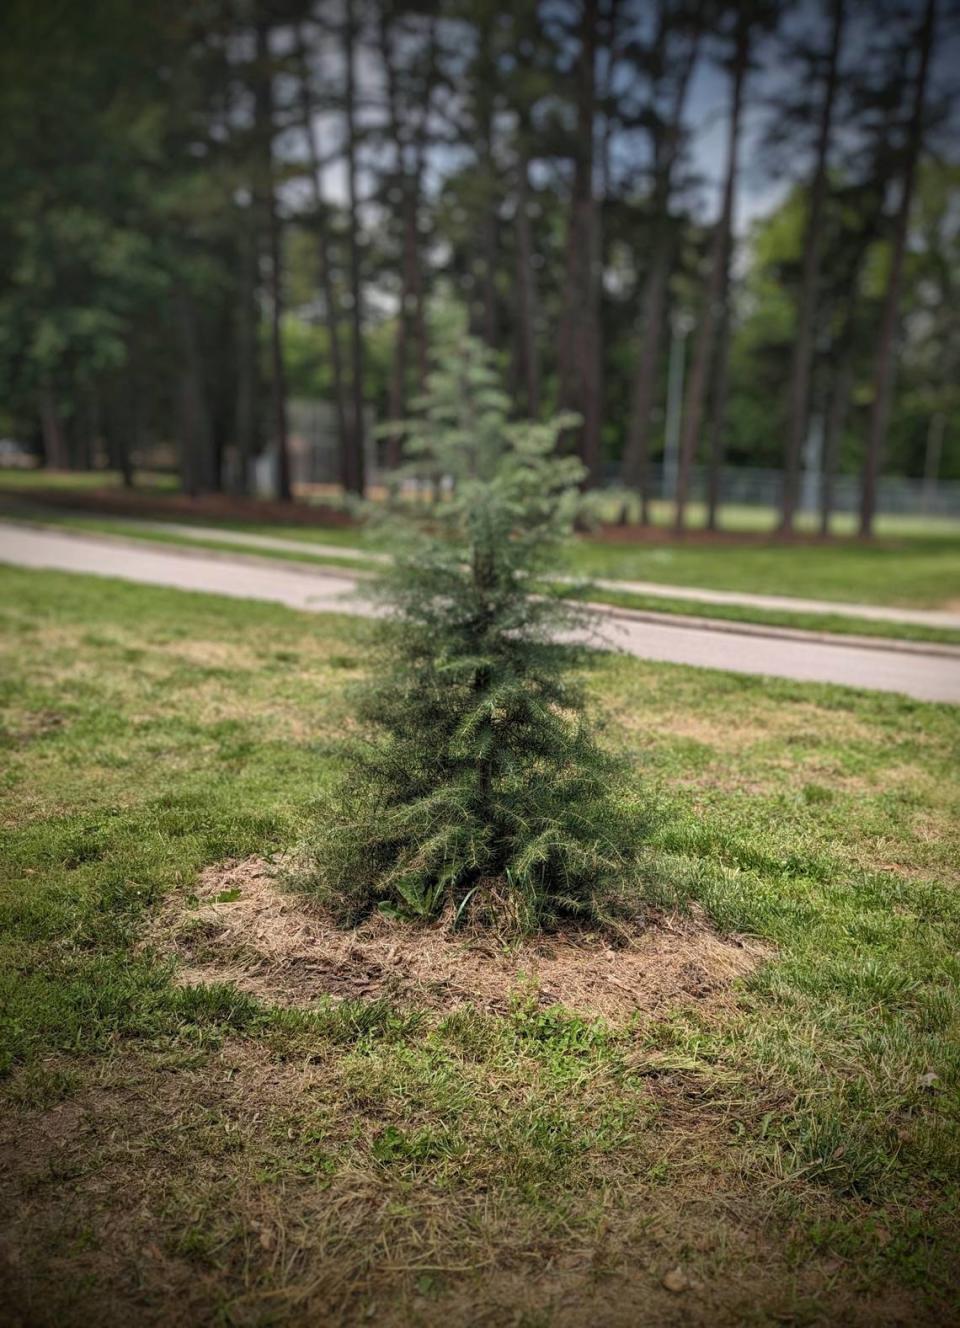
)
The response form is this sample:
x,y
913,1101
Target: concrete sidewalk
x,y
925,673
652,589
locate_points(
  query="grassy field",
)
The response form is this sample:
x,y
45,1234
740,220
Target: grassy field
x,y
922,571
25,480
835,623
782,1150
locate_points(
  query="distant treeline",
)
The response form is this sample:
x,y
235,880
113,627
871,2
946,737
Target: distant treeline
x,y
206,209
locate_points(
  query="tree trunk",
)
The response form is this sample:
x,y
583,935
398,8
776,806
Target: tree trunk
x,y
247,318
412,275
410,312
278,385
578,360
836,420
88,426
420,338
636,453
703,347
396,392
718,421
196,444
133,452
526,285
353,467
121,427
51,426
799,414
488,236
415,278
277,371
883,371
125,457
331,311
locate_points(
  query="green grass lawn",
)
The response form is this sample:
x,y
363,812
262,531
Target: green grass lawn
x,y
921,571
152,481
194,1154
836,623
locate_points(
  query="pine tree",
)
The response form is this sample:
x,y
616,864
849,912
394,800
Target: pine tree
x,y
481,791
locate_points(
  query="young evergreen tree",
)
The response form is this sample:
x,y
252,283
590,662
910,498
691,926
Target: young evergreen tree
x,y
481,792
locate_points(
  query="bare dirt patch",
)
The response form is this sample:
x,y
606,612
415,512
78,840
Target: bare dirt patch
x,y
30,725
242,927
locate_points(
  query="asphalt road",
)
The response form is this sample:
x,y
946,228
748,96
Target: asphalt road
x,y
925,673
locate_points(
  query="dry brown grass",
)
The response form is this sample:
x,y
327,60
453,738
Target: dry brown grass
x,y
733,730
177,1189
245,929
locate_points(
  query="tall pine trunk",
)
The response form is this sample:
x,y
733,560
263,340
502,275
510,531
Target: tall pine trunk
x,y
55,456
271,220
578,360
410,317
883,370
415,278
410,313
488,232
837,411
526,284
636,453
196,437
353,461
115,417
718,413
799,413
331,312
247,367
704,342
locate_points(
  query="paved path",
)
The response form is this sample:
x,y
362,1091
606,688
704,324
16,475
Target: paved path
x,y
928,673
652,589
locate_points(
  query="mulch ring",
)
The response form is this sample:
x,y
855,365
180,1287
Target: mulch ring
x,y
240,926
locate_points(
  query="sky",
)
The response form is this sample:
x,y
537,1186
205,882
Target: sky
x,y
760,188
761,185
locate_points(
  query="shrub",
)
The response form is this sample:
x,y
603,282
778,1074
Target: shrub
x,y
480,790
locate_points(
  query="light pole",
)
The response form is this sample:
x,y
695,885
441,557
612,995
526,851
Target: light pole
x,y
681,326
812,482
